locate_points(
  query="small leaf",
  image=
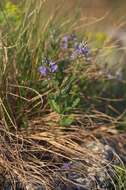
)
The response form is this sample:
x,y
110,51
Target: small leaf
x,y
76,102
54,106
66,121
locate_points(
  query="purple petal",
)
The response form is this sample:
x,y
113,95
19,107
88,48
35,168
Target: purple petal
x,y
65,39
66,166
51,63
64,42
64,45
54,68
43,70
84,50
81,49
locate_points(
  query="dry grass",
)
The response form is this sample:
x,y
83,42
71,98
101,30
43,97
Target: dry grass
x,y
34,157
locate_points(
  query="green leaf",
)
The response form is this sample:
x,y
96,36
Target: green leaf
x,y
54,105
66,121
76,102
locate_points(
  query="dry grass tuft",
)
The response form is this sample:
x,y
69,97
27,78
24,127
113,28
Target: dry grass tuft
x,y
38,158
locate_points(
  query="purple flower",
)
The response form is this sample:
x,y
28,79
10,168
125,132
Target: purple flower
x,y
77,48
43,70
81,48
65,39
64,42
84,50
66,166
53,68
51,63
